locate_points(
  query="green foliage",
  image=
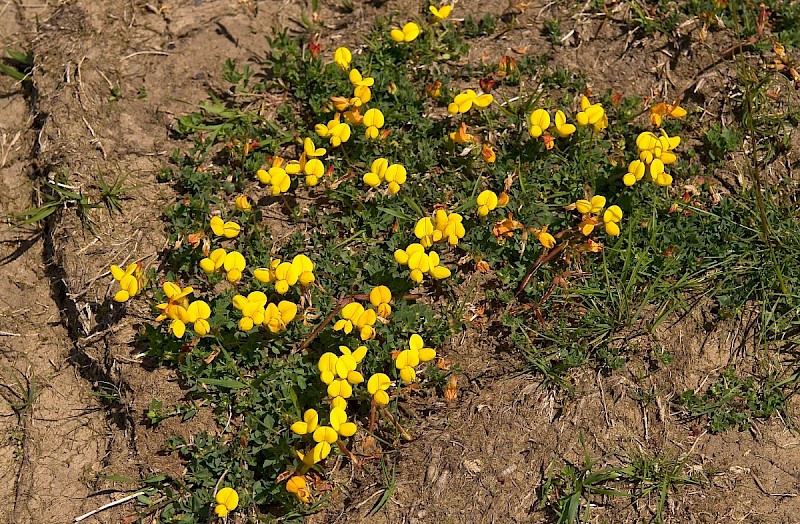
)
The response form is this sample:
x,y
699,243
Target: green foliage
x,y
734,400
17,65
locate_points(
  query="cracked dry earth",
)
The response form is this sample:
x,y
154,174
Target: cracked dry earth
x,y
75,386
71,404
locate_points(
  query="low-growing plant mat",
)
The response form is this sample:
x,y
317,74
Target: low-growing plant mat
x,y
636,392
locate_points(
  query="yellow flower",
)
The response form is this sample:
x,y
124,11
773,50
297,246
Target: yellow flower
x,y
175,308
487,201
546,239
441,13
297,485
357,80
355,316
379,297
252,308
396,176
338,421
635,173
451,226
464,101
610,218
227,229
377,386
409,358
306,269
129,281
373,119
276,317
540,121
339,134
592,115
198,314
267,275
342,57
308,425
277,178
314,170
377,172
311,150
408,33
563,129
426,232
227,500
243,204
361,95
233,265
595,206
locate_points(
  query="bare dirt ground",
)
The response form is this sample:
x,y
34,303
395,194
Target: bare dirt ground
x,y
77,389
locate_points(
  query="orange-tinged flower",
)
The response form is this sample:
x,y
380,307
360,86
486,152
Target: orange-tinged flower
x,y
488,154
297,485
505,228
243,204
660,110
549,142
546,239
434,89
340,103
461,136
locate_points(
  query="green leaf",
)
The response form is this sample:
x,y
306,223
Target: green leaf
x,y
223,383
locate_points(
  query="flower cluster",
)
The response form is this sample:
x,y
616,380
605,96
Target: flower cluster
x,y
339,372
323,436
540,124
256,312
354,315
444,226
489,200
655,153
283,275
130,281
592,115
276,177
408,359
394,175
181,312
465,101
421,263
232,263
590,209
221,228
